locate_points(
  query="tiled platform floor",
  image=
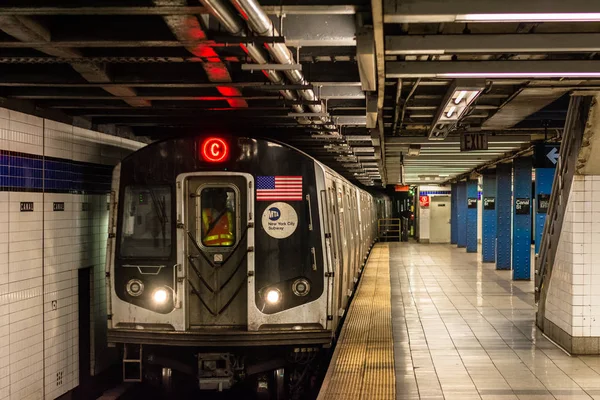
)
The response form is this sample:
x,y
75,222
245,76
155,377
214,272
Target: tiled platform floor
x,y
463,330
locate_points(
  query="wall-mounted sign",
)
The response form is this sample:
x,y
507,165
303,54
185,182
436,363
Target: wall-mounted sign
x,y
472,202
401,188
489,203
545,155
441,204
424,201
522,206
58,206
473,141
543,203
26,206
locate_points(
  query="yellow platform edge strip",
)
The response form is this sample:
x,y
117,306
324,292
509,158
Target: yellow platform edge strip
x,y
362,365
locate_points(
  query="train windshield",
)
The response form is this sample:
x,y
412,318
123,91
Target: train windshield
x,y
146,229
218,225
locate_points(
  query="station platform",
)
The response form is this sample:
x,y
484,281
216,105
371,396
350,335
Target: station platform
x,y
433,322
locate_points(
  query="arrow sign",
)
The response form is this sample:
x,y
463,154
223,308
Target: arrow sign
x,y
545,155
553,155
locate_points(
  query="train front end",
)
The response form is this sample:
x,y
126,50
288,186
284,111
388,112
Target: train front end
x,y
216,262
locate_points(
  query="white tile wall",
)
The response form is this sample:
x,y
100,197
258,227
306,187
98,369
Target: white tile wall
x,y
573,301
40,254
423,216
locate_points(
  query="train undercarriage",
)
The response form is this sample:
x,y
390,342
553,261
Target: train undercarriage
x,y
261,372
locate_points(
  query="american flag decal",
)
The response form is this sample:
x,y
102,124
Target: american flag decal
x,y
271,188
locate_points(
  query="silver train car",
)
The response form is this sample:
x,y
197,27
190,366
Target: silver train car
x,y
232,260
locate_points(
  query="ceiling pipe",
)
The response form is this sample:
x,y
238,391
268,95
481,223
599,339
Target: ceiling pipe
x,y
259,22
235,25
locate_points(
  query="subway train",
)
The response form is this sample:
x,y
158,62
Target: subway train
x,y
232,260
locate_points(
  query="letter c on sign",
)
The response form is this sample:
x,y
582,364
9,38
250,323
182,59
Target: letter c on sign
x,y
214,150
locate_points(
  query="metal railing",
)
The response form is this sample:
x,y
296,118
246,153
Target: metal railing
x,y
577,115
389,229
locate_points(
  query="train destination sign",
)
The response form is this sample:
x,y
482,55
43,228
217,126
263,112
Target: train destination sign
x,y
489,203
522,206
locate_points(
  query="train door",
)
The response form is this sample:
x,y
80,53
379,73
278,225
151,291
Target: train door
x,y
361,231
217,208
330,220
350,244
344,243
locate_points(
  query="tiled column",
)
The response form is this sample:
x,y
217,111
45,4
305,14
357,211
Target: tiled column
x,y
572,303
472,216
543,188
503,207
453,215
521,259
461,214
488,245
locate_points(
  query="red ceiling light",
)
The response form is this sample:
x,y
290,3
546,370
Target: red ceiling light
x,y
214,150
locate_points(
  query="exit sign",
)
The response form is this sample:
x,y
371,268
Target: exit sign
x,y
473,141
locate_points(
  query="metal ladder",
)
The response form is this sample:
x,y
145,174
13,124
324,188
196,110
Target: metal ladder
x,y
577,115
132,355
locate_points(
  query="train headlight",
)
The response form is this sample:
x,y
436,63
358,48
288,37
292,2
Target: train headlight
x,y
135,287
273,296
301,287
160,296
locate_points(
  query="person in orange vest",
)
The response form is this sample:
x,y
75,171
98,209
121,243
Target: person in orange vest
x,y
217,223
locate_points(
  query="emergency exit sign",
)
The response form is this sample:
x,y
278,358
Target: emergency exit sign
x,y
473,141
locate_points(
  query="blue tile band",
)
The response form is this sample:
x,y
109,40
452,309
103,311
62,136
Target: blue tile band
x,y
488,213
22,172
544,177
471,217
453,215
440,192
461,217
503,214
521,257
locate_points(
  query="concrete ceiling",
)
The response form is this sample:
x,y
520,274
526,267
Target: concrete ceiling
x,y
377,71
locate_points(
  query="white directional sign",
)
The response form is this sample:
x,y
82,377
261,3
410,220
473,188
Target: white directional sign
x,y
545,155
553,155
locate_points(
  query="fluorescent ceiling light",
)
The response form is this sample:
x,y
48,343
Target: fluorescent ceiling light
x,y
459,97
557,74
529,17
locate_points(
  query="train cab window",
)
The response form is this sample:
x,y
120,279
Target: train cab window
x,y
146,229
218,217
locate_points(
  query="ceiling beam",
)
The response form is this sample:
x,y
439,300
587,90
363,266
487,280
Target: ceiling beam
x,y
172,10
378,36
494,69
318,30
216,41
436,11
488,44
188,28
26,29
509,139
251,85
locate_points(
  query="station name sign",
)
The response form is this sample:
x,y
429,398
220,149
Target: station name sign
x,y
522,206
543,203
489,203
473,141
472,202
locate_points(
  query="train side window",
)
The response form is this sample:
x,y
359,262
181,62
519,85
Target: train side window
x,y
218,217
146,229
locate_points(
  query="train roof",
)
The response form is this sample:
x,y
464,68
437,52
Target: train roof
x,y
274,141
